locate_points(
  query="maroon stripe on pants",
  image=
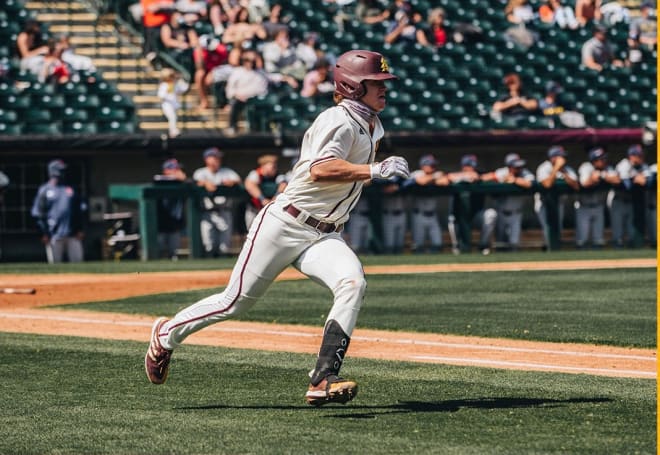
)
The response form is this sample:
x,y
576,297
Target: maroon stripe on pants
x,y
240,285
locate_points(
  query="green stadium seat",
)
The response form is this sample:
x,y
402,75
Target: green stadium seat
x,y
71,114
10,129
471,123
71,88
8,116
49,101
51,129
79,127
36,115
82,101
36,89
14,102
403,124
419,111
116,127
107,113
538,122
504,122
435,124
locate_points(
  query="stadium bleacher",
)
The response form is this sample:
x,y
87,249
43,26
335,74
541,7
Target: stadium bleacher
x,y
452,88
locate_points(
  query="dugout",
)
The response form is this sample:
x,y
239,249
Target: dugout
x,y
98,161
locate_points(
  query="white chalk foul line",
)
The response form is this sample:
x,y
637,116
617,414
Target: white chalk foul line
x,y
531,365
81,320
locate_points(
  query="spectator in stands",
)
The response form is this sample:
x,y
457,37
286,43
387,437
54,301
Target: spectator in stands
x,y
515,103
275,22
31,47
241,30
317,82
370,11
588,11
170,210
170,87
220,74
597,53
192,11
179,40
244,82
75,61
53,69
550,105
280,57
590,204
509,206
217,225
59,212
263,184
520,14
155,14
556,13
208,55
307,50
425,221
407,28
435,34
644,28
548,173
466,212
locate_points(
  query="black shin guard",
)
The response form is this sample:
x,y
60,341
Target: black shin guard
x,y
331,355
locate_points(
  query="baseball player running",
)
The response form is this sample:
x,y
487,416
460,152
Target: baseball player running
x,y
302,228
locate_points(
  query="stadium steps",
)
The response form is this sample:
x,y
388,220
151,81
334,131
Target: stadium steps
x,y
118,56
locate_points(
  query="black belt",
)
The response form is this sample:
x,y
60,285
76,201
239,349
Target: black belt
x,y
425,212
510,212
592,206
393,212
319,225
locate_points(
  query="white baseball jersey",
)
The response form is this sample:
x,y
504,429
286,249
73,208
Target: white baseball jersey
x,y
511,203
336,133
592,197
223,174
545,169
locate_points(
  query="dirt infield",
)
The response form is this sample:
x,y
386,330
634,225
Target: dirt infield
x,y
19,313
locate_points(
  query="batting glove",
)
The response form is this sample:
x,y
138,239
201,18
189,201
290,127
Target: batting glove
x,y
389,167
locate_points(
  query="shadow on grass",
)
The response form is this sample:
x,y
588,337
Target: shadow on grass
x,y
404,407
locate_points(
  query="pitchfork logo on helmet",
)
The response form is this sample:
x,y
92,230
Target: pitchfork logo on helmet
x,y
355,67
384,67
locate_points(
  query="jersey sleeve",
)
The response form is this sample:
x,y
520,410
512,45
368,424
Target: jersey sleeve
x,y
585,173
253,176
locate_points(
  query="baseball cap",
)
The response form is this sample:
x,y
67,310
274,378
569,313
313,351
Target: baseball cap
x,y
599,29
646,5
552,87
635,150
597,153
427,160
56,168
510,158
170,164
469,160
556,150
213,151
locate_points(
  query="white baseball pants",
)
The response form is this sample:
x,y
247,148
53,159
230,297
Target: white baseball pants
x,y
56,248
275,241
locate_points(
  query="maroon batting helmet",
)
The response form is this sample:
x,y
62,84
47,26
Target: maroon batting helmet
x,y
354,67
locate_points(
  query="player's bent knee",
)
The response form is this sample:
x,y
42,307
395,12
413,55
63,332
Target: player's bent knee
x,y
353,286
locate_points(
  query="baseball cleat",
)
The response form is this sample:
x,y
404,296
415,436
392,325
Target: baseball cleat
x,y
157,360
332,389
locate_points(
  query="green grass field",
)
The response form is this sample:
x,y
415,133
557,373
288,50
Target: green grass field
x,y
85,396
68,395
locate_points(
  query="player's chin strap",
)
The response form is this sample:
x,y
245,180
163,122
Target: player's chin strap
x,y
331,355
